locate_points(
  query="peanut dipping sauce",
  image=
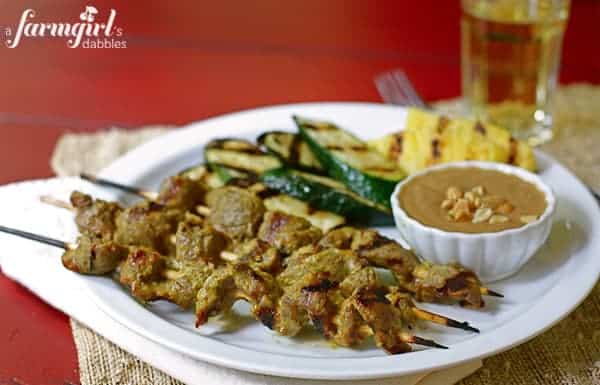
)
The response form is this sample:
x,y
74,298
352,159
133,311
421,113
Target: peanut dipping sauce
x,y
422,197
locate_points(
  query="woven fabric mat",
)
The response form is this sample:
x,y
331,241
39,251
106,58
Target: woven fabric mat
x,y
567,354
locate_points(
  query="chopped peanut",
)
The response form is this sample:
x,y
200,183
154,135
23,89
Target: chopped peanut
x,y
498,218
447,204
470,196
482,215
505,208
477,207
528,218
479,190
453,192
492,201
461,210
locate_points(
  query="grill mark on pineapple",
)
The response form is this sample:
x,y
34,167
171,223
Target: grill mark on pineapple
x,y
514,146
396,146
436,153
442,124
480,128
435,148
380,169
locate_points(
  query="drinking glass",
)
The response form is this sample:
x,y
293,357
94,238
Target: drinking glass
x,y
510,56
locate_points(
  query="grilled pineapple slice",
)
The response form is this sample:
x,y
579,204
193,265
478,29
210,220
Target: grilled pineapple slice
x,y
431,139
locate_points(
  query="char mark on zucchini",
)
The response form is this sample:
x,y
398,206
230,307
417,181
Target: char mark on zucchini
x,y
349,160
322,193
240,155
291,150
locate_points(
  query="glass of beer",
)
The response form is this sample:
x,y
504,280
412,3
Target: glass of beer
x,y
510,60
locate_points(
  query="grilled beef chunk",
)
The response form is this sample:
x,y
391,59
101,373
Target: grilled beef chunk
x,y
198,241
94,256
235,212
151,276
287,232
181,193
149,225
95,217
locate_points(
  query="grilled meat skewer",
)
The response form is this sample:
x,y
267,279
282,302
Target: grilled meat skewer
x,y
332,289
238,214
145,224
151,276
148,274
175,192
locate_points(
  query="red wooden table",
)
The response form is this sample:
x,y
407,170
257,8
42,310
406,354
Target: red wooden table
x,y
190,60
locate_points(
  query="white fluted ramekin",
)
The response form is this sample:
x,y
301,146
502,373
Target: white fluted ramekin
x,y
492,256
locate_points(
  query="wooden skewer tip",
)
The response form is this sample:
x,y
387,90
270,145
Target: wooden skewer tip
x,y
203,210
50,200
443,320
486,291
421,341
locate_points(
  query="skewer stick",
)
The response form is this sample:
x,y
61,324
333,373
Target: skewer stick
x,y
203,210
38,238
442,320
229,256
171,274
200,209
486,291
405,337
57,202
257,188
167,273
399,300
150,195
418,312
410,339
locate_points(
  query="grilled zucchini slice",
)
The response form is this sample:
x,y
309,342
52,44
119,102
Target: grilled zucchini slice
x,y
291,149
324,220
239,161
349,160
202,174
226,174
241,155
321,192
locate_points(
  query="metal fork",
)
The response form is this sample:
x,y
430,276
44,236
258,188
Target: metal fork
x,y
395,88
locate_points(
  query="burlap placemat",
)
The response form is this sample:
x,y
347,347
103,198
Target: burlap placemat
x,y
567,354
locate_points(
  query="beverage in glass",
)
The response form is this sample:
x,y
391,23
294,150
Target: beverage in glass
x,y
510,60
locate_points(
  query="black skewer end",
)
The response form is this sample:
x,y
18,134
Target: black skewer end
x,y
426,342
462,325
109,183
36,237
494,293
88,177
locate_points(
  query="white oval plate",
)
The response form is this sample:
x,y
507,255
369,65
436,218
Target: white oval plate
x,y
551,285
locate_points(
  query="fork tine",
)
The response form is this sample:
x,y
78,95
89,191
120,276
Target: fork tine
x,y
399,80
395,88
390,90
409,89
